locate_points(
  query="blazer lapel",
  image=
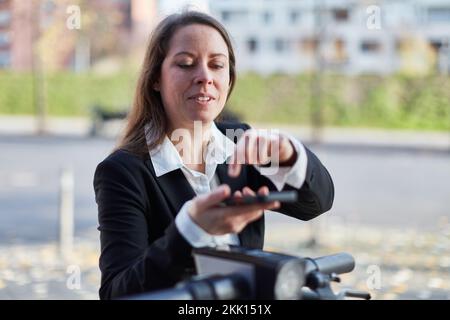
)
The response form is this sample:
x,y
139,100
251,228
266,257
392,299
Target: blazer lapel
x,y
234,183
175,187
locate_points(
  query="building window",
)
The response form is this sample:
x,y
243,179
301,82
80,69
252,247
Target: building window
x,y
5,18
294,17
400,44
340,15
309,45
225,16
48,6
281,45
267,17
439,15
370,46
340,50
234,16
4,39
436,45
252,45
5,60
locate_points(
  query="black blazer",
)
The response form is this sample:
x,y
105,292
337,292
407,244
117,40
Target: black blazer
x,y
141,248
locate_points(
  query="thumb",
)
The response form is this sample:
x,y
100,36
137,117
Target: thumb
x,y
208,200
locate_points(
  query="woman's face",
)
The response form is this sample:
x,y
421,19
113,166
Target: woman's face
x,y
195,76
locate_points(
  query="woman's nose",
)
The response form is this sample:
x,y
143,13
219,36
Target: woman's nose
x,y
203,76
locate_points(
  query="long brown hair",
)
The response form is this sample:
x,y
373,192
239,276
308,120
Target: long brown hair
x,y
147,107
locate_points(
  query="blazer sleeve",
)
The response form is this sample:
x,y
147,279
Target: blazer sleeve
x,y
128,262
315,196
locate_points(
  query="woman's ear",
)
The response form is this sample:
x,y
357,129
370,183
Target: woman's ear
x,y
156,86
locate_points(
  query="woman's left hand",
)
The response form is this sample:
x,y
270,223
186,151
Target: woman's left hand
x,y
256,148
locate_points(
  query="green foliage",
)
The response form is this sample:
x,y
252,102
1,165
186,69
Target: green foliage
x,y
67,94
16,93
361,101
395,101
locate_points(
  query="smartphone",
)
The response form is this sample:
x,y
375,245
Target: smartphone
x,y
282,196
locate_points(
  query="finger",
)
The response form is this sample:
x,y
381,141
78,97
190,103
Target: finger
x,y
238,194
240,155
275,205
249,217
264,190
286,149
255,216
251,149
263,151
211,199
274,149
232,165
248,192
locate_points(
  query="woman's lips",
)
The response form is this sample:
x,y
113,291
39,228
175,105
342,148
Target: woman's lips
x,y
202,99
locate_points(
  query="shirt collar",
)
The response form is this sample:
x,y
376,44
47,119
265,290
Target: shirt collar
x,y
165,157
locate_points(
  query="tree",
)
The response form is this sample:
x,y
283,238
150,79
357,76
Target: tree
x,y
56,46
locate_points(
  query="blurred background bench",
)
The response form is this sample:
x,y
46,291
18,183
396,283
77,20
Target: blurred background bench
x,y
101,115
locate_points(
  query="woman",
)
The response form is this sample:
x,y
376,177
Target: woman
x,y
156,201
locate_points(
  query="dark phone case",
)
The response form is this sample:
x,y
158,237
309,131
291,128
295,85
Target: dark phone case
x,y
283,196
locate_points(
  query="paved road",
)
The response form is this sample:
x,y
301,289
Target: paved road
x,y
382,186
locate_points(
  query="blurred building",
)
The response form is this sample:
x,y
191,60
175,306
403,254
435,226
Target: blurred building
x,y
143,14
347,36
23,22
15,35
5,18
166,7
287,36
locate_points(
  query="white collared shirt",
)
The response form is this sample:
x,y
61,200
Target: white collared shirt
x,y
165,158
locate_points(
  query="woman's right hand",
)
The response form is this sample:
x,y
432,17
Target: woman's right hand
x,y
215,220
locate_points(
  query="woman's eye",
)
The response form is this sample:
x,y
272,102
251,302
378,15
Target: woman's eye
x,y
184,66
218,66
